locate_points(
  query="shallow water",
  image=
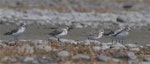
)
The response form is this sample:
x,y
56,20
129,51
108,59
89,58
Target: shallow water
x,y
34,32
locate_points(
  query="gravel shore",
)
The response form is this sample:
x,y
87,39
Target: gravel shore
x,y
85,18
44,51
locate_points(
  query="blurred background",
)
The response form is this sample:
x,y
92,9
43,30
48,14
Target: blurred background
x,y
78,5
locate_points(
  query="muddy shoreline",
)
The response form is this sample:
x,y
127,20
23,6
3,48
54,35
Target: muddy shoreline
x,y
34,32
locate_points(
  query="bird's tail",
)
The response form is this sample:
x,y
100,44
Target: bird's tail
x,y
7,33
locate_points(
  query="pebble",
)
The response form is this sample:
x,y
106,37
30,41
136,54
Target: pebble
x,y
135,49
2,44
147,59
77,25
63,53
103,57
26,49
96,48
105,46
6,59
131,56
81,56
44,47
148,45
38,42
119,19
88,42
131,45
117,46
50,58
70,41
1,41
145,63
95,25
116,60
26,59
120,54
35,62
9,42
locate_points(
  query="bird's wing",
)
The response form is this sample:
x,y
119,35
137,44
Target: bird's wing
x,y
55,32
118,32
115,32
11,32
93,34
111,32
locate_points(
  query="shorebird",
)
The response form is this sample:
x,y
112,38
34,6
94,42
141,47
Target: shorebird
x,y
119,34
17,32
59,32
95,35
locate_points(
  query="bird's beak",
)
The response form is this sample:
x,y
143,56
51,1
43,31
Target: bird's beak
x,y
70,28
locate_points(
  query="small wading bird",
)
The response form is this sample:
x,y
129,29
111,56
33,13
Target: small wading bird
x,y
95,35
59,32
119,35
17,32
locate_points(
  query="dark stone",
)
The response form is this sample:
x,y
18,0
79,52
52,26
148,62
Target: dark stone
x,y
127,6
120,20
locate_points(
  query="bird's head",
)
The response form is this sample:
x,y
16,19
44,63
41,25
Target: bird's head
x,y
68,27
101,30
23,24
127,28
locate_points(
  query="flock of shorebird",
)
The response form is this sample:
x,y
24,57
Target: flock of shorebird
x,y
117,35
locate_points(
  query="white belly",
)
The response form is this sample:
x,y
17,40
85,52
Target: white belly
x,y
20,31
95,37
120,36
62,34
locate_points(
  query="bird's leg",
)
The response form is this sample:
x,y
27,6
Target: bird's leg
x,y
119,41
17,38
112,41
122,41
94,40
125,41
116,41
89,39
58,39
14,38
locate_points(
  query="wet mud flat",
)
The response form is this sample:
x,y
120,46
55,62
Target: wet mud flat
x,y
35,32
